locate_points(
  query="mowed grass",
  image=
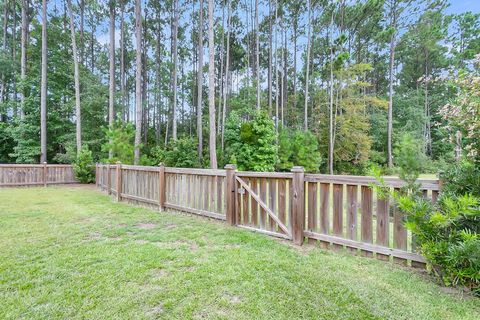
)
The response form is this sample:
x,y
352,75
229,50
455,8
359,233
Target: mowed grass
x,y
70,253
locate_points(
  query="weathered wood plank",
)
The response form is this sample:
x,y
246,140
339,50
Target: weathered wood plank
x,y
366,207
383,223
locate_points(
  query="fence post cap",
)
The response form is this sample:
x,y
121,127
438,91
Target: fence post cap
x,y
161,164
297,169
230,167
118,162
44,162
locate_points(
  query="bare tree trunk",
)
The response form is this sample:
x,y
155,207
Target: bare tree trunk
x,y
307,71
138,81
276,68
78,114
428,134
211,86
227,70
257,54
23,61
390,84
4,48
221,79
82,31
175,67
270,46
122,58
330,132
200,84
111,88
43,90
285,77
14,58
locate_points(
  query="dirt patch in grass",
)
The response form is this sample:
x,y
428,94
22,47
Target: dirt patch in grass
x,y
156,311
93,236
146,226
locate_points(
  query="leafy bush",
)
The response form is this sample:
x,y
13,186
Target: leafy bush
x,y
448,235
298,148
251,144
409,158
84,167
182,153
119,139
462,178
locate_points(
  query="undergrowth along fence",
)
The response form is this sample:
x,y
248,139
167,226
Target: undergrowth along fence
x,y
16,175
334,210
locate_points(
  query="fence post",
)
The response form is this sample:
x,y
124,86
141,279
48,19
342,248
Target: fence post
x,y
119,181
161,186
45,176
230,194
96,174
298,205
109,180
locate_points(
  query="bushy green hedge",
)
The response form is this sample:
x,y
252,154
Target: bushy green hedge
x,y
298,148
448,234
84,167
250,141
181,153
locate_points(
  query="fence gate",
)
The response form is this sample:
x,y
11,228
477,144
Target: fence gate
x,y
262,203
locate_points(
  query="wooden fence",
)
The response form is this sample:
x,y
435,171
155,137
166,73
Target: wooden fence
x,y
15,175
336,211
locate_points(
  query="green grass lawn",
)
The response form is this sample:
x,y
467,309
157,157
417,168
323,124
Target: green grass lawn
x,y
68,253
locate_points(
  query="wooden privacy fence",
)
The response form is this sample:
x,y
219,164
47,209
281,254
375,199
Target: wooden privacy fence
x,y
15,175
334,210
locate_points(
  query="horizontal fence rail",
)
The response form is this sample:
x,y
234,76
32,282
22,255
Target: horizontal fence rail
x,y
17,175
337,211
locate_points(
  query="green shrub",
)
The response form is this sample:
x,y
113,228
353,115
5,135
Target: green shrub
x,y
251,144
298,148
84,167
119,139
447,232
409,158
182,154
461,178
448,235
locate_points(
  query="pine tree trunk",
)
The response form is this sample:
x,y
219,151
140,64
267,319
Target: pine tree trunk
x,y
276,69
175,67
270,47
138,81
307,71
221,78
43,90
111,88
23,59
200,84
82,31
211,86
330,127
391,66
257,54
4,49
227,73
122,60
78,114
